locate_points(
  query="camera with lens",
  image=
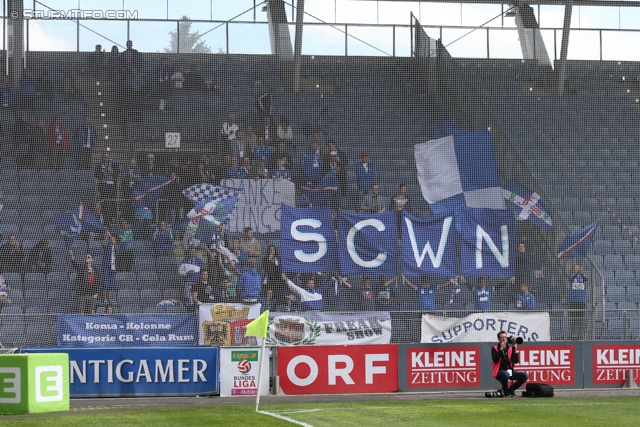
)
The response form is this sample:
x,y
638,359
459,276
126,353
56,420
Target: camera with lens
x,y
515,340
497,393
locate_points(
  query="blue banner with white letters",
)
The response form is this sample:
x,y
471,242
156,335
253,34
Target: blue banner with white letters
x,y
429,246
471,241
140,371
119,330
488,242
368,243
307,240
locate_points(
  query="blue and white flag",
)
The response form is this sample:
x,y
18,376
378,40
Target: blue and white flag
x,y
149,190
320,194
203,218
77,219
199,192
370,243
488,242
429,246
577,245
458,170
526,204
307,240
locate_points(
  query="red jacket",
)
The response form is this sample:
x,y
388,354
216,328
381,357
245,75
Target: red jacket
x,y
51,136
496,365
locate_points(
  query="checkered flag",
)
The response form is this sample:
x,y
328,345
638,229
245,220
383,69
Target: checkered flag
x,y
199,192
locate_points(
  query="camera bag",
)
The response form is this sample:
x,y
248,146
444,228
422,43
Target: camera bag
x,y
538,390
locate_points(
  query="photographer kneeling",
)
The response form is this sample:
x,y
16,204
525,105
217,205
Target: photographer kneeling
x,y
503,357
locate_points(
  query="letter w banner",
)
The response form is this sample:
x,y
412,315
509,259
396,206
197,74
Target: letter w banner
x,y
526,204
577,245
488,242
482,327
307,240
371,243
429,246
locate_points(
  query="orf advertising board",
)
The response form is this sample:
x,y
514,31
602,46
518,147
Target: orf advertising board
x,y
607,363
239,370
140,371
429,367
552,364
338,369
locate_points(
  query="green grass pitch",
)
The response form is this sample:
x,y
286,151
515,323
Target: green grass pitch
x,y
609,411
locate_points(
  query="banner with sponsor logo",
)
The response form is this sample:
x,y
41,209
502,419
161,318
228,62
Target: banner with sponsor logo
x,y
552,363
139,371
239,370
607,363
117,330
318,328
484,327
225,324
338,369
259,203
429,367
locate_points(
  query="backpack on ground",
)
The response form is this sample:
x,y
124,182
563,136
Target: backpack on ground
x,y
538,390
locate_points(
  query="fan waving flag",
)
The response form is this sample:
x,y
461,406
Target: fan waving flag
x,y
577,245
319,195
207,214
458,170
199,192
258,326
150,189
77,219
526,204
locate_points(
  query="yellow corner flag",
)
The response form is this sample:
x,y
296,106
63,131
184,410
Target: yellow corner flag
x,y
258,327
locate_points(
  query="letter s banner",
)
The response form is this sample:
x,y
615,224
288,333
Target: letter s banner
x,y
338,369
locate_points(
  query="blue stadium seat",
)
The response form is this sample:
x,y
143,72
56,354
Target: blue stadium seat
x,y
632,262
34,281
130,309
613,262
145,264
150,297
128,297
147,279
616,294
126,280
616,329
601,247
12,335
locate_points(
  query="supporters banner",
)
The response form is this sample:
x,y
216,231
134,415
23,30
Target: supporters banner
x,y
224,325
429,246
484,327
370,243
118,330
307,240
319,328
259,203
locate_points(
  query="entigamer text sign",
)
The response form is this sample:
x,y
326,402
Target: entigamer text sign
x,y
126,330
550,364
484,327
450,366
612,361
140,371
338,369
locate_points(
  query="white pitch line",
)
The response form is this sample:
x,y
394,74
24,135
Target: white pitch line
x,y
282,417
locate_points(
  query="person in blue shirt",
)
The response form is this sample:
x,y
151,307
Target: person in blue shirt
x,y
250,283
261,151
366,174
312,164
6,93
525,299
235,171
577,302
163,239
482,295
426,293
281,172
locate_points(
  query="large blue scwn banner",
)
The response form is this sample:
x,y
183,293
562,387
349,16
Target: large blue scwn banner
x,y
140,371
373,243
126,330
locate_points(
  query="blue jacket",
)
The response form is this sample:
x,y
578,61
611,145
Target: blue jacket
x,y
250,283
86,136
311,166
365,178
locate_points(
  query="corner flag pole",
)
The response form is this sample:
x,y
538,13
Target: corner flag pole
x,y
258,328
